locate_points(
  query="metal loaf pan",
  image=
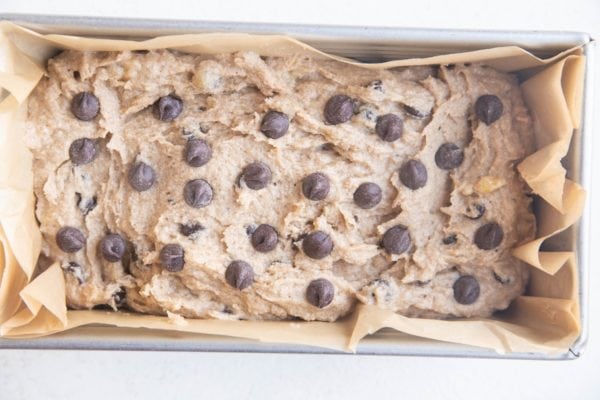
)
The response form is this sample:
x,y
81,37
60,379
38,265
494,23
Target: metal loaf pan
x,y
367,44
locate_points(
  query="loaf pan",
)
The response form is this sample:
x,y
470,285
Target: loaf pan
x,y
367,44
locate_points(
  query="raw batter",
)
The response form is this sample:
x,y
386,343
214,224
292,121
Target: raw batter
x,y
235,186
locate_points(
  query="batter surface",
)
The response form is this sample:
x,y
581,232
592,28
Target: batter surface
x,y
241,187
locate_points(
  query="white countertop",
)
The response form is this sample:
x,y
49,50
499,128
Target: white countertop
x,y
133,375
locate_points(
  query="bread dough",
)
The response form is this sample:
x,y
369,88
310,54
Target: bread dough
x,y
224,99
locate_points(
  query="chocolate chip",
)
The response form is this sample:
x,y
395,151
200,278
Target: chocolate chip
x,y
250,229
83,151
488,108
264,238
413,174
256,175
317,245
451,239
197,152
315,186
275,124
367,195
197,193
320,293
239,274
171,257
167,108
449,156
75,269
369,115
396,240
119,297
190,228
389,127
113,247
489,236
376,85
466,290
85,206
339,109
413,112
85,106
475,212
69,239
141,176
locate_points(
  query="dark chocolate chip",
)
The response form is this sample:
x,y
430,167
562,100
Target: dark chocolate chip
x,y
370,115
172,257
389,127
275,124
69,239
451,239
413,174
197,152
317,245
449,156
113,247
190,228
367,195
339,109
413,112
264,238
239,274
83,151
198,193
396,240
476,211
85,206
167,108
141,176
85,106
488,108
256,175
320,293
315,186
119,297
466,290
376,85
489,236
75,269
250,229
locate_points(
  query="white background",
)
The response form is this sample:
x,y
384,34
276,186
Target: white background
x,y
103,375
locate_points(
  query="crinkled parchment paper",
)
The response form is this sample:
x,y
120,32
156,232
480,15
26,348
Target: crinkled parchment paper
x,y
544,320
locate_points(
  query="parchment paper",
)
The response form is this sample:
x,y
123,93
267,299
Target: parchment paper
x,y
544,320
